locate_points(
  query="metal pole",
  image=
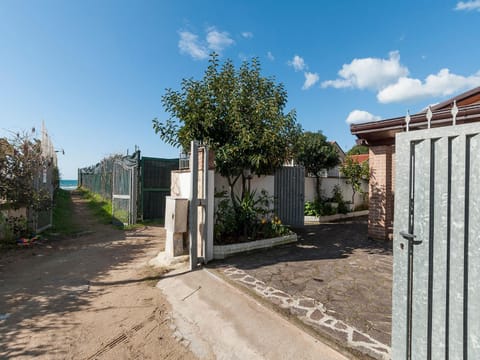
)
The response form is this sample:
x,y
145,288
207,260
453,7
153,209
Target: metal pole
x,y
205,202
193,204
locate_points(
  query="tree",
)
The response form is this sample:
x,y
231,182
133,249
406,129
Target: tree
x,y
355,173
316,154
358,149
239,114
21,169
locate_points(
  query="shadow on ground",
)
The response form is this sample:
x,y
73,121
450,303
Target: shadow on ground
x,y
39,286
336,265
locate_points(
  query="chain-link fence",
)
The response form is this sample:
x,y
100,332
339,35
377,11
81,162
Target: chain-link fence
x,y
115,178
137,188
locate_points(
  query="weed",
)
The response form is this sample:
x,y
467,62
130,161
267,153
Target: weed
x,y
63,218
101,208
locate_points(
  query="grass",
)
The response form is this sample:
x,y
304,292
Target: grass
x,y
100,207
63,223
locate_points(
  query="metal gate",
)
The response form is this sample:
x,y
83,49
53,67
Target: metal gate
x,y
155,187
289,194
436,289
124,194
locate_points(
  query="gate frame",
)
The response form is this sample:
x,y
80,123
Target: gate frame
x,y
405,237
282,203
133,186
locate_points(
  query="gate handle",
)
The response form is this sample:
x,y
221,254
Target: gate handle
x,y
410,237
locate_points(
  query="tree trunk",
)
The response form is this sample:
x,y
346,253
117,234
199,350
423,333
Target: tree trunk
x,y
231,184
318,187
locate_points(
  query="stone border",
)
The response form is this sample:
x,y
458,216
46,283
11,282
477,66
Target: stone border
x,y
222,251
314,313
320,219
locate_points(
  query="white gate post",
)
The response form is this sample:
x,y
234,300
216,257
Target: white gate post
x,y
192,217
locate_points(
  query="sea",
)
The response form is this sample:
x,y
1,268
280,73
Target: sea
x,y
68,184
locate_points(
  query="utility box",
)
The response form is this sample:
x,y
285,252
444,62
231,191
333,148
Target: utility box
x,y
176,214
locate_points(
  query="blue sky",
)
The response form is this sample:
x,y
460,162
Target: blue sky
x,y
95,71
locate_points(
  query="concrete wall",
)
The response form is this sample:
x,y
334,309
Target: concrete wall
x,y
327,186
266,183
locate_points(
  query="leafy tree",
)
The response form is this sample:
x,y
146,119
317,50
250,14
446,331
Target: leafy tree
x,y
315,153
21,169
239,114
355,174
358,149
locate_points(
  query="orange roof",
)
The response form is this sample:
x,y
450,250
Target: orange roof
x,y
359,158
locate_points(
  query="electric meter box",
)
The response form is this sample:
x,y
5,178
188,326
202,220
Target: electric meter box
x,y
176,214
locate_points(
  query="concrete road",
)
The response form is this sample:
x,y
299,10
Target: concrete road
x,y
217,321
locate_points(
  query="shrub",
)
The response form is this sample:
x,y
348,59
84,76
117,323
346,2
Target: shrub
x,y
251,218
12,228
323,206
313,208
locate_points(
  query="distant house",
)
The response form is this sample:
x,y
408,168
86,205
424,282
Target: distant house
x,y
335,172
360,158
380,138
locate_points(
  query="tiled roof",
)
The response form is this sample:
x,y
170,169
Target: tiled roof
x,y
359,158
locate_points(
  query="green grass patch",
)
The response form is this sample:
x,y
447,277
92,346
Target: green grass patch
x,y
63,222
100,207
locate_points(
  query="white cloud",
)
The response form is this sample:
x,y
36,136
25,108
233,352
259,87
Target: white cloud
x,y
247,34
369,73
218,40
242,56
270,56
468,5
360,116
310,80
198,49
298,63
442,84
189,44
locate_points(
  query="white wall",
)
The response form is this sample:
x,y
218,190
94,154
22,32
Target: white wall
x,y
327,186
266,183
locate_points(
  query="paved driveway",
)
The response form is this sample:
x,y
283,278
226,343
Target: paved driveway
x,y
334,279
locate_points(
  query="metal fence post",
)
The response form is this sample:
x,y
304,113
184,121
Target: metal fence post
x,y
193,204
205,204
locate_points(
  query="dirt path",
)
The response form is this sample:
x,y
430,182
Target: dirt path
x,y
87,297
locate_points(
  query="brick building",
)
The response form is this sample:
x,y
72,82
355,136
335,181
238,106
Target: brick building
x,y
380,138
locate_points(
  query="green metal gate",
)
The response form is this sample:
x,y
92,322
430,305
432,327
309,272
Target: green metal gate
x,y
155,179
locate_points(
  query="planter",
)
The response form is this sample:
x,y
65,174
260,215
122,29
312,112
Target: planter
x,y
314,219
222,251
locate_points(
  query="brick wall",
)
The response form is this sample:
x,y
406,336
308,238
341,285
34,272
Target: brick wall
x,y
381,199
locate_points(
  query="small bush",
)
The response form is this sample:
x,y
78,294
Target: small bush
x,y
249,219
313,208
12,228
323,207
